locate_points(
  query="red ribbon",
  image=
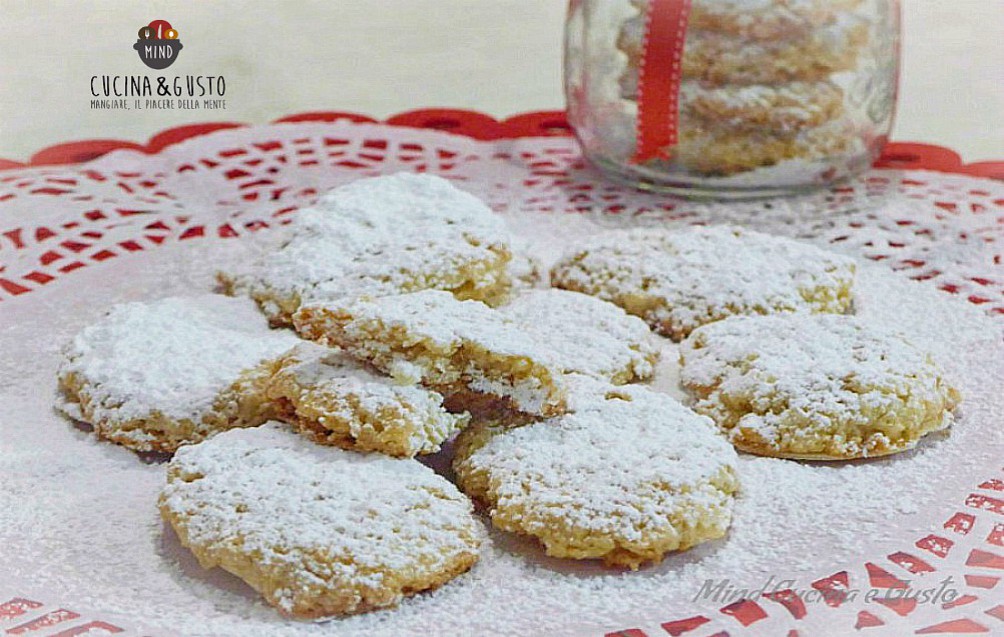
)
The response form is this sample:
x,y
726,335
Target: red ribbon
x,y
659,78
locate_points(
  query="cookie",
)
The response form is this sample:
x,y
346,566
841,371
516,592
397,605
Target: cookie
x,y
718,58
157,375
729,130
448,345
318,531
524,272
383,235
678,280
335,401
718,151
815,387
778,109
763,19
586,335
626,476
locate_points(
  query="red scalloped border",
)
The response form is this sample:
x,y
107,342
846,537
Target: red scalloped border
x,y
984,562
897,155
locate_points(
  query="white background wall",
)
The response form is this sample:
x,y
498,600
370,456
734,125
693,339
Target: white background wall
x,y
382,56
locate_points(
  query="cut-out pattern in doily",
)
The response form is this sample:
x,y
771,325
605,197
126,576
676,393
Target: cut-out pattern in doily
x,y
236,181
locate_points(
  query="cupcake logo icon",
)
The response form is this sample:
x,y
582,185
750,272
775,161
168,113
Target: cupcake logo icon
x,y
158,44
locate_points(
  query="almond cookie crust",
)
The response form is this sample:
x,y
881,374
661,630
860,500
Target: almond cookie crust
x,y
335,401
300,525
626,476
678,280
158,375
383,235
815,387
448,345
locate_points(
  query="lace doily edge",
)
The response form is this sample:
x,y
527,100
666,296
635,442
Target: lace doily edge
x,y
473,124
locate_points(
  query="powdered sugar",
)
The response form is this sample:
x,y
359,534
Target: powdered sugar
x,y
586,335
328,391
173,356
826,386
312,364
609,419
316,516
790,520
383,235
679,280
622,464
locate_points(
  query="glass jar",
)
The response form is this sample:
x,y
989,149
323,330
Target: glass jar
x,y
731,98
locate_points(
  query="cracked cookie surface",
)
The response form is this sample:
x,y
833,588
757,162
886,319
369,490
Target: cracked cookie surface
x,y
678,280
626,476
383,235
815,387
318,531
334,400
448,345
153,376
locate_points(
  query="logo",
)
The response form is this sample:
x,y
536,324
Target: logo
x,y
158,44
158,47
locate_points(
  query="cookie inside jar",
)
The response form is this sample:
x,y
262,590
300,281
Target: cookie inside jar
x,y
732,98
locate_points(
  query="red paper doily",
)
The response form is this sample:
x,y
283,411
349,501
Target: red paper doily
x,y
229,180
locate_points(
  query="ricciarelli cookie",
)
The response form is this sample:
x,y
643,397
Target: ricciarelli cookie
x,y
154,376
763,19
678,280
587,335
335,401
815,387
626,476
719,58
383,235
773,109
721,152
448,345
318,531
733,129
524,272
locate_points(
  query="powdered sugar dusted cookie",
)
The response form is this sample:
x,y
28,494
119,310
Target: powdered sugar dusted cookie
x,y
679,280
732,129
724,151
318,531
815,387
524,271
763,19
774,109
717,56
383,235
587,335
154,376
334,400
626,476
449,345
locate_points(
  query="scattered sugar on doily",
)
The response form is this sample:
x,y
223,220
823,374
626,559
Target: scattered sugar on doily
x,y
786,511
